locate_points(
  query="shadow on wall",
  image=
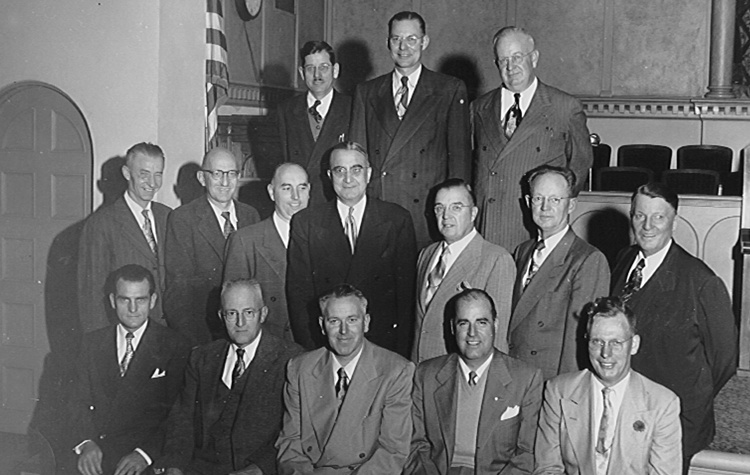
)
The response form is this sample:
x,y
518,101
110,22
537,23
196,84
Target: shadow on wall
x,y
464,68
356,64
609,231
276,75
188,187
112,183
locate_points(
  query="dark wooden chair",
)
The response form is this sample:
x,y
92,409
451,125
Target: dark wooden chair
x,y
706,157
625,179
686,181
656,158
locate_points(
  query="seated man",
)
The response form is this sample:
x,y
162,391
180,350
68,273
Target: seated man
x,y
609,420
229,413
348,406
475,411
129,374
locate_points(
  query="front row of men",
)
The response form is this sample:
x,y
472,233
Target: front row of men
x,y
354,407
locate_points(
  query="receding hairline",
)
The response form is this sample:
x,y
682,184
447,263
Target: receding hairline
x,y
284,167
509,31
251,284
217,153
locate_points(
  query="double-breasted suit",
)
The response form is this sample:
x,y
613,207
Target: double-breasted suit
x,y
112,238
257,252
553,132
412,155
194,264
300,147
544,325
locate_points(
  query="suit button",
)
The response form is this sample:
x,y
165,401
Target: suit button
x,y
309,448
91,408
533,352
491,200
484,148
377,151
385,173
102,436
541,324
362,455
273,299
416,200
493,173
538,149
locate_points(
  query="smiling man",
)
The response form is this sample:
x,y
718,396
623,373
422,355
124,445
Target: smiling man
x,y
463,259
609,419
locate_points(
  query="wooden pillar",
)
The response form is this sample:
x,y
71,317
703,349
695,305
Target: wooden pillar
x,y
722,47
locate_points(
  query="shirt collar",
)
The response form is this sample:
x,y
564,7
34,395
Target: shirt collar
x,y
551,242
359,210
618,389
135,207
137,334
413,78
350,366
219,218
652,262
480,371
525,99
282,227
457,247
325,103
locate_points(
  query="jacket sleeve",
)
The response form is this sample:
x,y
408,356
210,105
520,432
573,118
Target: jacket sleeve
x,y
547,449
665,456
578,144
406,258
93,265
718,330
291,458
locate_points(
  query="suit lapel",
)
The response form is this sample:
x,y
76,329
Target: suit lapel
x,y
301,122
108,367
208,227
522,263
213,372
385,110
632,411
422,273
331,237
651,295
576,413
490,120
131,229
533,120
370,241
323,404
445,395
327,132
494,401
464,266
272,249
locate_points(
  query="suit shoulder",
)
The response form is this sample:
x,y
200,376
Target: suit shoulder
x,y
442,79
160,208
389,362
345,100
566,382
286,349
304,362
695,268
516,367
188,210
96,335
390,210
312,213
485,100
432,365
245,207
290,103
252,231
655,392
558,94
491,249
170,337
583,248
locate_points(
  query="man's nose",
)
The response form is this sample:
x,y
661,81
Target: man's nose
x,y
343,328
606,350
132,306
295,194
545,204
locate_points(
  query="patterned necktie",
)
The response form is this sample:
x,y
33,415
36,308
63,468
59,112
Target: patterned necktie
x,y
436,276
534,266
513,117
148,231
342,385
313,110
402,97
228,228
239,366
472,378
603,442
351,229
128,356
633,284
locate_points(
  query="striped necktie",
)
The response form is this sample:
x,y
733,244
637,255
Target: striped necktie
x,y
128,356
633,284
239,366
604,441
513,117
313,110
228,227
148,231
534,266
438,273
402,97
351,229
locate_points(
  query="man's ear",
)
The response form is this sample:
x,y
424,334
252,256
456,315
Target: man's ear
x,y
152,303
112,300
126,172
269,188
425,42
201,177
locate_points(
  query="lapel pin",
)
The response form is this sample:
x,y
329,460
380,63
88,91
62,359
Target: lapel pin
x,y
639,426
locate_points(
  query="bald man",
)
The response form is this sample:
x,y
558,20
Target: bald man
x,y
196,237
259,251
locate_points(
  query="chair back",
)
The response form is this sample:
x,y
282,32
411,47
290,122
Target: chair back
x,y
656,158
686,181
706,157
626,179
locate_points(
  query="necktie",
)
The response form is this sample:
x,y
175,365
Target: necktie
x,y
472,378
436,276
351,229
128,356
342,385
313,110
513,117
603,441
228,228
239,366
633,284
148,231
534,266
402,97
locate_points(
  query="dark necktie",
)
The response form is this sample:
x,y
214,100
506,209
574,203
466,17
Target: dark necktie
x,y
342,385
402,97
128,356
513,117
228,228
603,441
313,110
472,378
351,229
148,231
633,284
438,273
239,366
536,256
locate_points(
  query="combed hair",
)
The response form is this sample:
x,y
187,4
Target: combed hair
x,y
351,146
564,172
457,183
609,307
312,47
143,148
406,15
476,295
509,30
656,190
132,273
339,292
251,284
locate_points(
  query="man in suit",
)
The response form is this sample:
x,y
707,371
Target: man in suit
x,y
557,274
358,240
685,310
463,259
474,411
414,123
228,415
609,420
129,231
520,125
348,406
129,375
259,251
310,124
196,237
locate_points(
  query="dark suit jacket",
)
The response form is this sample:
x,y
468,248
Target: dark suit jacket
x,y
258,420
688,336
370,434
553,132
411,156
382,267
257,252
507,419
299,146
544,324
194,263
121,414
112,238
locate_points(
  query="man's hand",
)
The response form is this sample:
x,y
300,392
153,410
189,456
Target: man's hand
x,y
90,459
251,469
131,464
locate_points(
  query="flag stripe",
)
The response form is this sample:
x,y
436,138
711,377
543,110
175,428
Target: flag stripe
x,y
217,73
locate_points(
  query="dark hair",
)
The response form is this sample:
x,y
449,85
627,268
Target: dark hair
x,y
564,172
312,47
402,16
132,273
656,190
476,295
251,284
143,148
457,183
339,292
350,146
608,307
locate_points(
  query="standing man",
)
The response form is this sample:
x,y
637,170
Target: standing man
x,y
462,260
520,125
355,239
196,237
685,310
259,251
609,420
414,123
129,374
310,124
558,273
474,411
348,406
130,231
229,414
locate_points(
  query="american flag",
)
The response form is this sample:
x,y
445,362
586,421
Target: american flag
x,y
217,76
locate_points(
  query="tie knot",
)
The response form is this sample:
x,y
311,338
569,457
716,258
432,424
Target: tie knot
x,y
606,392
129,336
144,212
472,378
351,211
225,215
517,97
317,103
641,264
405,81
240,353
539,245
342,373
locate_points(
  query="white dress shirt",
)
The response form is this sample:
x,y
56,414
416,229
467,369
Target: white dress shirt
x,y
455,249
413,81
325,103
220,219
349,368
359,212
615,399
652,263
507,99
250,350
136,209
540,256
282,227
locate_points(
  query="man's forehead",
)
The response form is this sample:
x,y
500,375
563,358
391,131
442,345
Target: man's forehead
x,y
318,57
290,175
642,202
452,194
353,157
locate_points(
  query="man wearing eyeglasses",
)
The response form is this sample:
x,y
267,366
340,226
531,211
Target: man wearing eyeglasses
x,y
414,124
311,123
461,260
355,239
608,419
196,236
557,274
520,125
228,415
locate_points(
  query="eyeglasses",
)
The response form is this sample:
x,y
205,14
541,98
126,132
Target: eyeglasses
x,y
340,172
232,315
615,345
220,174
514,60
411,40
322,68
552,200
453,208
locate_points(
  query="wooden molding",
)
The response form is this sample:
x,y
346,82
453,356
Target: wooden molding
x,y
666,108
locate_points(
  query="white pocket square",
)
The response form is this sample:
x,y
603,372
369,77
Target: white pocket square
x,y
159,373
509,413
